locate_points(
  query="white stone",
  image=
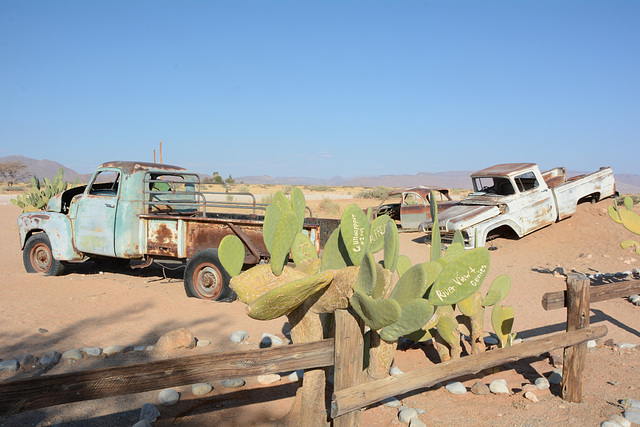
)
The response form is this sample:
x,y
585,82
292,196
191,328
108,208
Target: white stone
x,y
92,351
168,397
531,396
239,336
395,371
625,346
268,378
542,383
201,389
74,354
591,344
140,348
499,386
617,418
407,414
415,422
456,388
112,349
203,343
391,402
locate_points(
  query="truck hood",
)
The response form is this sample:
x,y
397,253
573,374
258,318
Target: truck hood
x,y
462,216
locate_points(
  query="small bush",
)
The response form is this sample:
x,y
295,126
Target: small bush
x,y
243,189
329,206
267,199
374,193
229,198
634,197
288,189
320,188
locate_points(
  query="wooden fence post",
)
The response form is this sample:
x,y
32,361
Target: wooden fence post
x,y
578,292
349,355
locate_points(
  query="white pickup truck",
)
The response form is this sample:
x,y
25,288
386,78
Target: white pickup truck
x,y
516,198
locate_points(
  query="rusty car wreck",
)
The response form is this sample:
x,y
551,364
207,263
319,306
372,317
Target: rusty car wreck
x,y
516,198
146,212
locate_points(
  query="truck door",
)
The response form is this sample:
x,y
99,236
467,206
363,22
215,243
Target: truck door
x,y
96,215
536,202
413,210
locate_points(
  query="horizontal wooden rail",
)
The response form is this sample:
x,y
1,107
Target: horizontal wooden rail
x,y
556,300
356,397
49,390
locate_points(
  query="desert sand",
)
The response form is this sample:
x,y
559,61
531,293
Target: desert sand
x,y
87,307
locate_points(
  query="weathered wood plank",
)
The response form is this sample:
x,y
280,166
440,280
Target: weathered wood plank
x,y
357,397
349,356
33,393
556,300
577,318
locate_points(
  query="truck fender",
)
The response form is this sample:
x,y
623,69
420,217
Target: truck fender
x,y
58,229
484,229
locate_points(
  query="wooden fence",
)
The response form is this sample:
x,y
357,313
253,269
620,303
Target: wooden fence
x,y
345,353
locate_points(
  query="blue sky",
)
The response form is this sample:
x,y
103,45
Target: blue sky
x,y
322,88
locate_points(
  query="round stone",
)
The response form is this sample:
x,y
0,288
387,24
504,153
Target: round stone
x,y
74,354
168,397
499,386
456,388
407,414
201,389
237,382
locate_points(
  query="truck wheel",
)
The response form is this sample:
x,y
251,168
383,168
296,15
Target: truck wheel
x,y
37,256
205,277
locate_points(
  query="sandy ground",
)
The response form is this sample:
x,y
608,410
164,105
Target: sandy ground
x,y
87,308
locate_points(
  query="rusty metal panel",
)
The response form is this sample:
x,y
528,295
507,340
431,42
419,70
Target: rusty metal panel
x,y
162,237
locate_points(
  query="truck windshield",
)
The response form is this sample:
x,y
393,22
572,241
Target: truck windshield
x,y
493,185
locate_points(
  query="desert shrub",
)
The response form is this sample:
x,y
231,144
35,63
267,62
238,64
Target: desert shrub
x,y
287,189
329,206
229,198
374,193
318,188
634,197
243,188
14,188
267,199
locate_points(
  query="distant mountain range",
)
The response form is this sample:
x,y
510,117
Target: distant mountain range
x,y
626,183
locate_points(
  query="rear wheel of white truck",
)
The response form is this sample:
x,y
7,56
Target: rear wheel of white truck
x,y
205,277
38,257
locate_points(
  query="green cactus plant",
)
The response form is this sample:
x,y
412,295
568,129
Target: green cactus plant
x,y
502,321
40,194
630,220
354,228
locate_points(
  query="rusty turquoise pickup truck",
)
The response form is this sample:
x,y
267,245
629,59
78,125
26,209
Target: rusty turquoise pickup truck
x,y
517,199
148,212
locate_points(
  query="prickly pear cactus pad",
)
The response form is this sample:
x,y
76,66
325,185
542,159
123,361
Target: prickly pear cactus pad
x,y
404,263
231,253
303,249
260,279
497,291
391,246
502,322
299,205
286,232
376,313
367,277
354,229
275,210
376,235
287,297
413,284
334,255
461,277
414,315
